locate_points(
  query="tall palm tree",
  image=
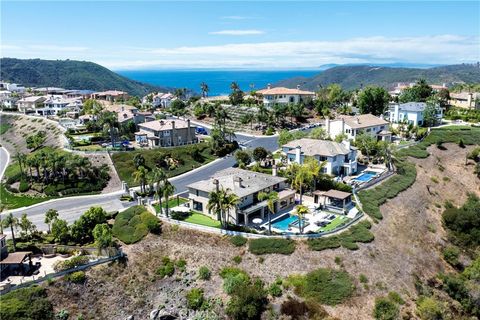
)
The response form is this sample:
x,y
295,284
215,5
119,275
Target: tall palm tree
x,y
272,198
12,222
302,177
140,175
300,211
168,191
158,178
315,169
234,86
21,158
204,88
222,201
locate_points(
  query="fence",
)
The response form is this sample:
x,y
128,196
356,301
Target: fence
x,y
61,273
219,231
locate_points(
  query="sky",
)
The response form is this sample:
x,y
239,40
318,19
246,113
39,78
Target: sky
x,y
131,35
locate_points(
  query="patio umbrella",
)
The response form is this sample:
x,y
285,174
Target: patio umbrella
x,y
257,220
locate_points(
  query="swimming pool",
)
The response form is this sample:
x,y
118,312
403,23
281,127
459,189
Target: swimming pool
x,y
283,222
366,176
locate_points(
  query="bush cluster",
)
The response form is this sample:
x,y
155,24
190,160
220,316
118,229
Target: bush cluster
x,y
238,241
271,245
71,263
76,277
26,303
166,269
347,239
134,223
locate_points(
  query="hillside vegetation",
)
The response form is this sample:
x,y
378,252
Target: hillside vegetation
x,y
69,74
353,77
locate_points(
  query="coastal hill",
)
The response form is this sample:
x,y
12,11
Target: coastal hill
x,y
69,74
354,76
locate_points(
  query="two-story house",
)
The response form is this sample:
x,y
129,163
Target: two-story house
x,y
467,100
30,104
246,185
352,126
56,103
283,95
339,158
126,113
410,113
110,95
164,133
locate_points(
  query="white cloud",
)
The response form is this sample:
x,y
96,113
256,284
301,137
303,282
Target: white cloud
x,y
237,32
439,49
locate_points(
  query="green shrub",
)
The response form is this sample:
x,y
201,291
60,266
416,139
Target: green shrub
x,y
230,271
204,273
237,259
275,290
271,245
24,186
26,303
195,299
238,241
385,309
76,277
133,224
451,255
166,269
231,283
395,297
429,308
248,302
363,278
181,264
70,263
325,286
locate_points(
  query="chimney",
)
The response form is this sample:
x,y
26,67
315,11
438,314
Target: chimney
x,y
269,86
274,170
173,133
216,183
237,182
327,125
188,132
298,153
357,121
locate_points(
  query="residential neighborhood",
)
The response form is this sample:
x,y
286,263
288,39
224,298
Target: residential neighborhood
x,y
268,160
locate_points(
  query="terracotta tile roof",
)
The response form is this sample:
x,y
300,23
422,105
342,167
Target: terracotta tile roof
x,y
283,90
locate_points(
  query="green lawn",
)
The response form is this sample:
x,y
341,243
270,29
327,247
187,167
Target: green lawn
x,y
4,127
125,167
92,147
12,201
203,220
334,224
171,203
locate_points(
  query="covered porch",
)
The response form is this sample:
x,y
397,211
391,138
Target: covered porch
x,y
334,200
13,264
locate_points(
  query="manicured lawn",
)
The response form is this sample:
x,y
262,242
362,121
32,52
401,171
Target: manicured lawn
x,y
171,203
335,223
203,220
12,201
125,167
4,127
92,147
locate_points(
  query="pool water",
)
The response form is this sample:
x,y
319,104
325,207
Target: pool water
x,y
366,176
283,222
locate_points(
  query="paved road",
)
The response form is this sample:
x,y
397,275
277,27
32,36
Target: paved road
x,y
71,208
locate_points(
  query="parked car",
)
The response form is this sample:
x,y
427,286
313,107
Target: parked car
x,y
201,130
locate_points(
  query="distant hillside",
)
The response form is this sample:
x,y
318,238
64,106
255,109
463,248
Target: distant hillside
x,y
352,77
69,74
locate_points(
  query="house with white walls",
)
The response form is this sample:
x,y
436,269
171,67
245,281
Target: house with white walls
x,y
30,104
352,126
282,95
410,113
246,185
339,158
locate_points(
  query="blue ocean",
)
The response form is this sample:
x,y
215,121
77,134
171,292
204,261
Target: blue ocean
x,y
218,81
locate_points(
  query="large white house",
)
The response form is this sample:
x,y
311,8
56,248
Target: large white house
x,y
410,113
246,185
339,158
283,95
30,104
352,126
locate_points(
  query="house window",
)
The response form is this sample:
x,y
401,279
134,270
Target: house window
x,y
322,158
368,130
347,130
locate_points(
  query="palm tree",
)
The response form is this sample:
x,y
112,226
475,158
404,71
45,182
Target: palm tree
x,y
272,198
300,211
222,201
302,177
158,178
11,221
204,88
234,86
140,175
247,118
315,168
168,190
21,158
50,216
